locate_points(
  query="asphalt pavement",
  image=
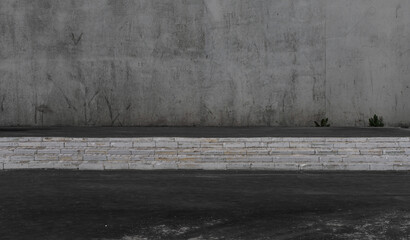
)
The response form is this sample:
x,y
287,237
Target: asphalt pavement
x,y
51,204
196,132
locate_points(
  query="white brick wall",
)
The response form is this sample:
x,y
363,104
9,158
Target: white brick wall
x,y
206,153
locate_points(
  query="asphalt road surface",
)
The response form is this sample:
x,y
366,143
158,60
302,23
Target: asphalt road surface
x,y
138,205
196,132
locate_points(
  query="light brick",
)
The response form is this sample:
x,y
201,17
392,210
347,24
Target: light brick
x,y
322,145
262,166
6,152
303,151
166,152
238,166
144,144
29,165
235,152
116,165
211,158
28,151
348,151
187,140
344,167
283,151
331,159
143,139
66,165
234,145
142,158
8,144
325,152
119,152
363,159
236,159
189,151
349,145
143,152
166,158
54,139
48,151
9,139
29,144
212,151
91,165
98,144
394,152
12,165
52,144
401,167
71,151
92,157
70,157
381,167
286,166
162,144
211,145
310,167
75,144
278,144
256,144
46,157
189,144
22,158
299,145
122,139
386,139
96,151
254,159
404,144
140,166
257,151
121,144
295,159
184,158
371,151
388,145
118,158
164,165
366,145
190,166
29,139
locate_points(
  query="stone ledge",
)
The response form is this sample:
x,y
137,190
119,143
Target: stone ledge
x,y
262,153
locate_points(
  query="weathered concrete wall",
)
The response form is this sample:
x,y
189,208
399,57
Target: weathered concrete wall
x,y
203,62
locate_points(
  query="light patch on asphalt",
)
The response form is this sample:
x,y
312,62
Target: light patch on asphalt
x,y
163,231
394,224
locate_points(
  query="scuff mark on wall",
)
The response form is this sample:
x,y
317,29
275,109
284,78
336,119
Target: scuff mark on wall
x,y
110,111
76,40
2,103
67,100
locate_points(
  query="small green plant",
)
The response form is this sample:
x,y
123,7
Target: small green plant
x,y
376,121
323,123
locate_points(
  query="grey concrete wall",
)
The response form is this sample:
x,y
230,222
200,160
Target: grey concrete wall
x,y
203,62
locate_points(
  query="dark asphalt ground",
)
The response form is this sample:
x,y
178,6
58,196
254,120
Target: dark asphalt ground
x,y
203,132
51,204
